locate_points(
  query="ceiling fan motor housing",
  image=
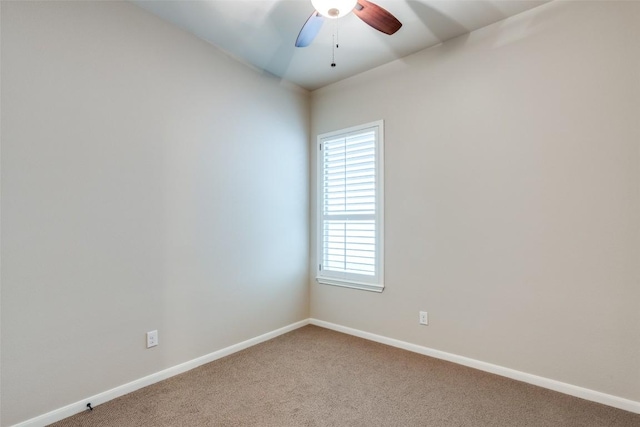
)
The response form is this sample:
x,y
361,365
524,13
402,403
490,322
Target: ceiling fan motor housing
x,y
334,8
372,14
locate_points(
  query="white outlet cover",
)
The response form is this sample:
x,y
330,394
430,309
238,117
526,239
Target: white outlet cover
x,y
424,318
152,339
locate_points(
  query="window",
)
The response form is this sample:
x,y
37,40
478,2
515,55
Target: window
x,y
350,207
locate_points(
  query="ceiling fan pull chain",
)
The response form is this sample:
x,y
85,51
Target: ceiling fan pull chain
x,y
334,44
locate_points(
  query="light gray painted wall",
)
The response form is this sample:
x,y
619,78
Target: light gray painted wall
x,y
148,182
512,195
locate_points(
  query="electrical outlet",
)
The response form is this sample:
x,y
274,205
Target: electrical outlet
x,y
424,318
152,339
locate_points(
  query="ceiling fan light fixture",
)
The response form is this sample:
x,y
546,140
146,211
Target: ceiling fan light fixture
x,y
334,8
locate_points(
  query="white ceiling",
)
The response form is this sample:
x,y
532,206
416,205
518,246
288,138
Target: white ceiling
x,y
263,32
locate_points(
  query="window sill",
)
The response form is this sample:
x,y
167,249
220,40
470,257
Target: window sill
x,y
350,284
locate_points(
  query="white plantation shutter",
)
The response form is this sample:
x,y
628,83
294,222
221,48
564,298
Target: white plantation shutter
x,y
350,207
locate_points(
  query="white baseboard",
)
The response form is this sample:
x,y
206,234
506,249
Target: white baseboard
x,y
572,390
75,408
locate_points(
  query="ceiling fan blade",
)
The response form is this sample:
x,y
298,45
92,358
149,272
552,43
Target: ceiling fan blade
x,y
377,17
310,30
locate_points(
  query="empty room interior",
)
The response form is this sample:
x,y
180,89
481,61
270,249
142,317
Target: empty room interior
x,y
187,240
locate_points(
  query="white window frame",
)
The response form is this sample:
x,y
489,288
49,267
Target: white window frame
x,y
373,283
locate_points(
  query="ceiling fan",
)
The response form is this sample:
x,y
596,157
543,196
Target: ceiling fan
x,y
370,13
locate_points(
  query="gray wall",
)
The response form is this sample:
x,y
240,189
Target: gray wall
x,y
512,195
148,182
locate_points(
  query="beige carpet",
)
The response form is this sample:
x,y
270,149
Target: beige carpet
x,y
316,377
